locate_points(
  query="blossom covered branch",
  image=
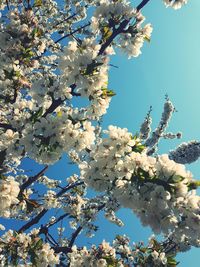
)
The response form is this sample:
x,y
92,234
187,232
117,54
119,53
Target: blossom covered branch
x,y
55,54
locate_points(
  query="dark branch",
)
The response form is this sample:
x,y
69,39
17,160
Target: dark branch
x,y
35,220
2,158
62,249
7,126
44,228
67,188
142,4
7,3
74,236
120,29
71,33
33,179
65,20
12,101
79,229
57,102
112,37
59,219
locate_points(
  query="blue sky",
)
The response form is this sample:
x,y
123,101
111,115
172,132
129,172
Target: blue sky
x,y
170,64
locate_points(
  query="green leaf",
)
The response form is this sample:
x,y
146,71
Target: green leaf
x,y
111,93
92,68
17,74
37,3
36,32
33,257
193,185
36,115
111,262
176,179
106,33
2,177
171,262
139,148
135,137
108,93
143,250
146,38
39,244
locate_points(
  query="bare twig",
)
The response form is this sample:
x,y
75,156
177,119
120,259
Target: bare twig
x,y
71,33
33,179
37,218
66,19
67,188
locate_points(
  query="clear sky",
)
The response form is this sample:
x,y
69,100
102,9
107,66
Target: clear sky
x,y
170,64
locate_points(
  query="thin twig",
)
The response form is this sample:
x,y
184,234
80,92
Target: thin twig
x,y
71,33
37,218
65,20
67,188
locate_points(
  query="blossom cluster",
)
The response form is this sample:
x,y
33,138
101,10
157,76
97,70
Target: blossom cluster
x,y
157,189
81,66
131,38
176,4
186,152
121,253
9,190
26,249
54,66
34,94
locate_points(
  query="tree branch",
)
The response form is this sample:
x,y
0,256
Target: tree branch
x,y
142,4
44,228
74,236
32,179
62,249
35,220
66,19
2,158
7,126
65,189
53,106
56,103
7,4
112,37
71,33
120,29
78,230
